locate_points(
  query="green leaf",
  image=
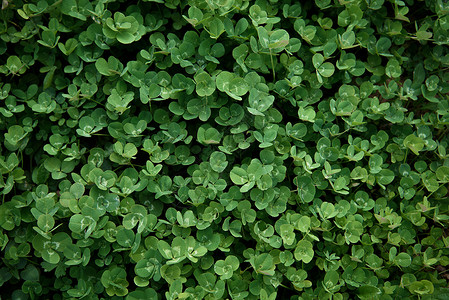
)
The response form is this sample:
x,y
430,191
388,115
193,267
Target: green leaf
x,y
216,28
403,259
287,234
414,143
218,161
125,37
264,264
239,176
303,224
225,268
208,136
257,15
443,173
263,37
306,188
317,60
45,222
326,69
125,237
393,68
422,287
195,15
70,8
103,67
304,251
278,40
205,85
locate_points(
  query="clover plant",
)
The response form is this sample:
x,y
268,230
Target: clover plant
x,y
225,149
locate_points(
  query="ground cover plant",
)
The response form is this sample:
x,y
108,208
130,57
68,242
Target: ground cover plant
x,y
224,149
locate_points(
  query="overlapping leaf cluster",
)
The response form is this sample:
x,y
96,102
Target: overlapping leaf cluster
x,y
224,149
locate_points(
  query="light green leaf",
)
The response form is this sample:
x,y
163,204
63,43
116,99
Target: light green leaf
x,y
304,251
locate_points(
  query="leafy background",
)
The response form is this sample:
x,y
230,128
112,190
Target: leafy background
x,y
212,149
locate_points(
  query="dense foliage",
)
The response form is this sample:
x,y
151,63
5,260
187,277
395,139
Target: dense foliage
x,y
224,149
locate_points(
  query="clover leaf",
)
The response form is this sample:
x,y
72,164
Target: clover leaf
x,y
225,268
114,280
304,251
125,29
205,85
